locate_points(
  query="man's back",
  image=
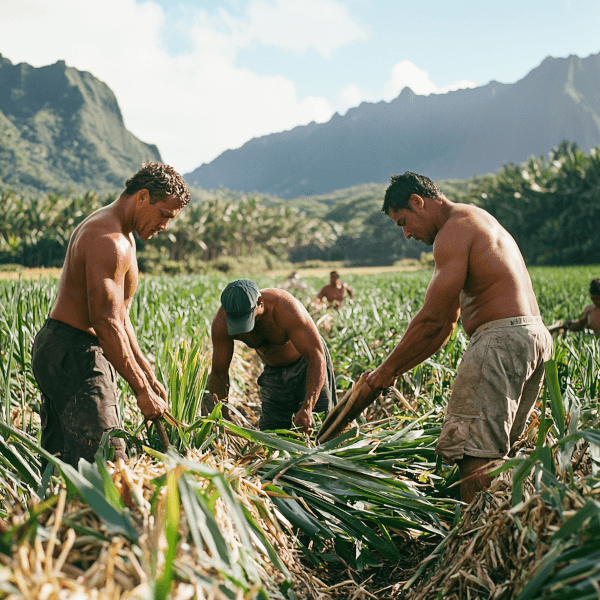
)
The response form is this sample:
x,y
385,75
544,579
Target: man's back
x,y
496,282
332,292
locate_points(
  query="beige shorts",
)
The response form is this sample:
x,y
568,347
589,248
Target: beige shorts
x,y
498,381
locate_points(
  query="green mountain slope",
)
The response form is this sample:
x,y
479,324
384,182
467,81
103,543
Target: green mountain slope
x,y
61,129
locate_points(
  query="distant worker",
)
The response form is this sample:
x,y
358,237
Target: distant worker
x,y
335,291
88,336
294,281
298,373
480,275
590,318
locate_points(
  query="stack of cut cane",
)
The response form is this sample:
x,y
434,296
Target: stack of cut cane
x,y
352,403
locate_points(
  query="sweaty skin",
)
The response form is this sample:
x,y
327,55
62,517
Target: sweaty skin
x,y
283,332
479,273
99,278
590,318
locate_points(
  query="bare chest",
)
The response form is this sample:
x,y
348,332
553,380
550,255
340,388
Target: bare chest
x,y
263,338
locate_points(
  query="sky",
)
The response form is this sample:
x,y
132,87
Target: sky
x,y
198,77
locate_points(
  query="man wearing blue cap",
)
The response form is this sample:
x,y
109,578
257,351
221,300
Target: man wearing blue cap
x,y
298,373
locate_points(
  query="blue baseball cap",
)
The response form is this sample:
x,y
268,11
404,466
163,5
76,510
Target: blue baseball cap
x,y
239,300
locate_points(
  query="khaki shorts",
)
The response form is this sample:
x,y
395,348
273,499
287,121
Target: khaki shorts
x,y
498,382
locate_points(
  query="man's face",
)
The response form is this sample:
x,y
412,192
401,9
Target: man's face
x,y
414,225
595,300
156,217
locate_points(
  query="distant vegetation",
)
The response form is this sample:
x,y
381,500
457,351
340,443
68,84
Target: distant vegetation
x,y
551,205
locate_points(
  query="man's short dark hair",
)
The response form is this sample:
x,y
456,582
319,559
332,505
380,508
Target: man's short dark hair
x,y
401,188
161,181
334,274
595,287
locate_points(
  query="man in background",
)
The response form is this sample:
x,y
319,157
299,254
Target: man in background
x,y
298,373
335,291
88,337
590,317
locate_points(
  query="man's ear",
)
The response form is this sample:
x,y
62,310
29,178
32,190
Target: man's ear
x,y
416,202
143,195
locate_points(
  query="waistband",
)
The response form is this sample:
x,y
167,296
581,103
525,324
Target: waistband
x,y
510,322
54,325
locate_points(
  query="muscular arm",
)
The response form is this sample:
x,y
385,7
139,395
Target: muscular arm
x,y
141,360
218,378
108,259
431,327
305,337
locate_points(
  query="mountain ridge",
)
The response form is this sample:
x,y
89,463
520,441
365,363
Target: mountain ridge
x,y
445,136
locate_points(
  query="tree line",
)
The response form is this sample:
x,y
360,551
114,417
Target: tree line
x,y
550,204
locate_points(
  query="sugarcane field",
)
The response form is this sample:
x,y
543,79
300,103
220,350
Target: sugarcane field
x,y
221,510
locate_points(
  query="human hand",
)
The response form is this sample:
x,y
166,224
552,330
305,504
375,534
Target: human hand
x,y
151,404
380,378
160,390
305,420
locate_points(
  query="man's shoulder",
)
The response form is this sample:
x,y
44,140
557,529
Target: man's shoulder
x,y
103,232
590,309
464,214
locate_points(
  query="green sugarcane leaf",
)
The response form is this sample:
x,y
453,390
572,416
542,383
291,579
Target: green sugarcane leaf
x,y
556,401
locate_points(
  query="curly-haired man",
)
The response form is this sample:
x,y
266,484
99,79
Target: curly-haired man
x,y
88,337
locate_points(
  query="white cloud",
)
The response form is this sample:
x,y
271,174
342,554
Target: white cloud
x,y
298,25
194,105
350,96
404,74
197,104
407,74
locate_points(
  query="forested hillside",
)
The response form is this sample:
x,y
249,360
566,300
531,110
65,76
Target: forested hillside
x,y
62,129
550,204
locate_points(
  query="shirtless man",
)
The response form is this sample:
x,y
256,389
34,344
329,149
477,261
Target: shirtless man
x,y
298,373
335,291
591,313
88,336
479,274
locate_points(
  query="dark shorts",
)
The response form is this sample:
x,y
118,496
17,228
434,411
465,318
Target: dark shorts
x,y
79,393
283,391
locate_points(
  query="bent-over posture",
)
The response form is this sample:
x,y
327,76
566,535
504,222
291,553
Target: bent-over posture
x,y
479,274
298,371
88,337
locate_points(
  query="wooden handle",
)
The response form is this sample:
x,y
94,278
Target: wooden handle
x,y
351,406
162,434
557,327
